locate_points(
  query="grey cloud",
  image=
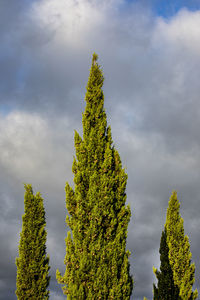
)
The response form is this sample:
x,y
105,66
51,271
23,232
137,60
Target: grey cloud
x,y
153,173
28,148
151,98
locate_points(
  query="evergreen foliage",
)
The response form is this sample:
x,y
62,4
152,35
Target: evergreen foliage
x,y
97,265
179,251
32,263
166,289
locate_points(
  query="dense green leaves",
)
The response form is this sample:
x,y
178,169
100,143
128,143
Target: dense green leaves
x,y
97,265
176,275
179,251
32,263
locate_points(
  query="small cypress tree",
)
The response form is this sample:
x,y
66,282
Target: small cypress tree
x,y
179,251
166,289
97,265
32,263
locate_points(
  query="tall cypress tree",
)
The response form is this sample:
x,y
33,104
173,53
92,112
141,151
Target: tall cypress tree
x,y
179,251
32,263
166,289
97,265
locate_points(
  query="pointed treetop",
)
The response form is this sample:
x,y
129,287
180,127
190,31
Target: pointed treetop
x,y
179,250
97,265
28,187
94,59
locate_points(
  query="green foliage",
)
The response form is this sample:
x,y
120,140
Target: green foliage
x,y
97,265
32,263
179,251
166,289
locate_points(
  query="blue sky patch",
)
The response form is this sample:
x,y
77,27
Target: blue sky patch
x,y
168,8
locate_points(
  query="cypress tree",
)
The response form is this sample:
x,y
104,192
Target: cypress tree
x,y
97,265
166,289
179,251
32,263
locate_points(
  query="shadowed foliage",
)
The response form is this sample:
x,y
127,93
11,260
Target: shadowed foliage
x,y
166,289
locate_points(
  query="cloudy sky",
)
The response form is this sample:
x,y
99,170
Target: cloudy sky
x,y
150,54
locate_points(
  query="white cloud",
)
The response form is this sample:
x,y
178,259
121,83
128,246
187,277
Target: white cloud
x,y
75,23
181,31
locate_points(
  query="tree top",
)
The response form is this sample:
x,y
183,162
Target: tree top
x,y
94,59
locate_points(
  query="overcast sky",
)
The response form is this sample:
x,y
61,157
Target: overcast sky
x,y
150,54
